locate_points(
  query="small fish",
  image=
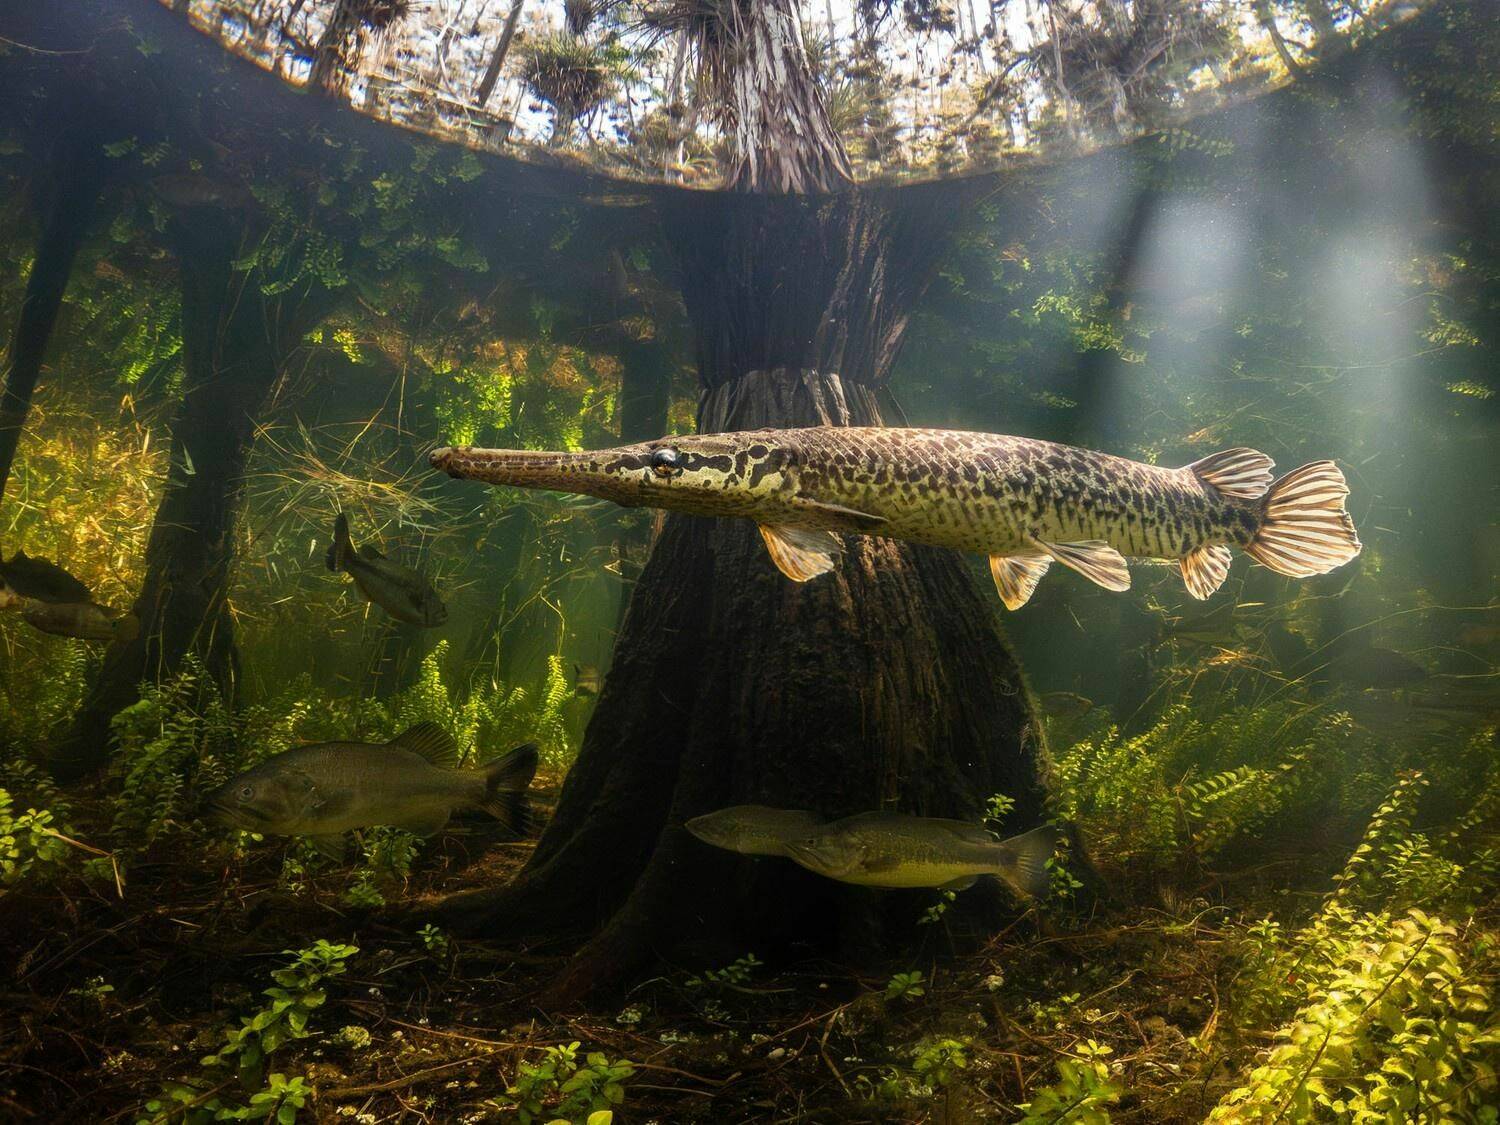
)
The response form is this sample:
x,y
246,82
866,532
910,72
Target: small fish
x,y
1369,666
413,782
190,190
881,849
42,580
1065,705
84,621
587,680
1024,503
754,829
397,589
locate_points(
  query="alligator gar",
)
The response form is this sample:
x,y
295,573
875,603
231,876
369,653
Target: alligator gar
x,y
1024,503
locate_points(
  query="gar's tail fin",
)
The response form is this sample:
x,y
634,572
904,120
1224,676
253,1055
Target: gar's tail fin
x,y
1022,860
342,547
506,780
1304,529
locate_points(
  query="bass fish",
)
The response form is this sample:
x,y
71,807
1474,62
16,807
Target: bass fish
x,y
882,849
754,829
43,580
1024,503
84,621
413,782
397,589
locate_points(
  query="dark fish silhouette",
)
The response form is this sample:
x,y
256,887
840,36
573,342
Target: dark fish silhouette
x,y
399,590
42,580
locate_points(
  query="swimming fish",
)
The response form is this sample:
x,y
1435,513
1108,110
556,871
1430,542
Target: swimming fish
x,y
326,789
397,589
1024,503
754,829
42,580
883,849
587,680
82,620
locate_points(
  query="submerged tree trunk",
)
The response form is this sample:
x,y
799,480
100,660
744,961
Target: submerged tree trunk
x,y
232,344
77,176
885,685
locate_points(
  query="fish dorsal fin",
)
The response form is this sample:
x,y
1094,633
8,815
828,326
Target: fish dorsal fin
x,y
1016,576
1095,559
1241,472
863,520
802,553
430,741
370,553
1205,569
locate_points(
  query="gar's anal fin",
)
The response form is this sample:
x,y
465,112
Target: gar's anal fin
x,y
801,553
1095,559
1205,569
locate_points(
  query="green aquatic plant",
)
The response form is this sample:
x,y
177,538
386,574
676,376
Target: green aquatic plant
x,y
1195,781
1382,1010
906,986
298,991
560,1087
1085,1089
29,843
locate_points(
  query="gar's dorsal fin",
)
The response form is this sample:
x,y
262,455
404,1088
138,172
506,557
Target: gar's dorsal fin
x,y
802,553
430,741
1241,472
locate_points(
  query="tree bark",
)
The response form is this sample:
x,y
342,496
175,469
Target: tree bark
x,y
232,343
77,175
782,138
886,685
497,60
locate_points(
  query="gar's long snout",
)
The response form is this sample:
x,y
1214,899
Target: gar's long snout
x,y
526,468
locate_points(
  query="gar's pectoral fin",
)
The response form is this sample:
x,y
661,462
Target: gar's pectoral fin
x,y
802,553
1016,576
1095,559
1205,569
863,521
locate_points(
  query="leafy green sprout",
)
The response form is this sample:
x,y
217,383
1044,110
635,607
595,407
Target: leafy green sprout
x,y
434,941
560,1087
735,975
293,998
906,986
935,912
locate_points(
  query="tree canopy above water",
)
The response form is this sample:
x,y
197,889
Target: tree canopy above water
x,y
642,88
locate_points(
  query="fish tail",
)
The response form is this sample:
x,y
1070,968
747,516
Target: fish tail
x,y
1304,529
506,780
1021,861
342,547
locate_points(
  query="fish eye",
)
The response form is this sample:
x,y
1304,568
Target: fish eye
x,y
666,461
246,792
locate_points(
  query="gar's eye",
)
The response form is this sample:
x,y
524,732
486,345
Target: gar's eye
x,y
666,461
246,792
